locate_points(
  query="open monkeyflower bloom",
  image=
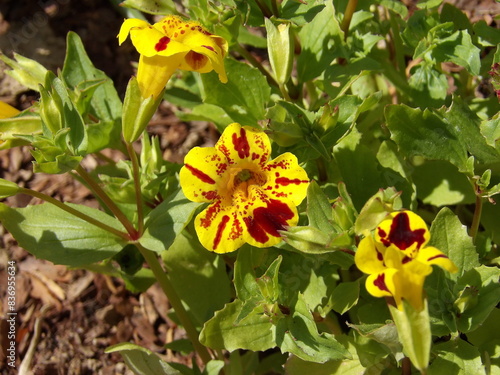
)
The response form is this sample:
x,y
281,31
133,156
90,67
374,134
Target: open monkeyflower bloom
x,y
397,259
251,197
172,44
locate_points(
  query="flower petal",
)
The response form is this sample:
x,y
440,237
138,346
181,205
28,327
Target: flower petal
x,y
7,111
368,258
404,230
410,283
154,72
219,228
127,25
264,218
381,284
201,175
286,179
244,144
431,255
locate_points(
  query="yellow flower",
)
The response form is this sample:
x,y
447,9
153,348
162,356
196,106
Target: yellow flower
x,y
397,259
251,197
172,44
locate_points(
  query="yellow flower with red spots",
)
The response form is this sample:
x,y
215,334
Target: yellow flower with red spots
x,y
172,44
397,259
251,197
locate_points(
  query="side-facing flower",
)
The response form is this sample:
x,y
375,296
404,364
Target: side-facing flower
x,y
251,197
398,260
172,44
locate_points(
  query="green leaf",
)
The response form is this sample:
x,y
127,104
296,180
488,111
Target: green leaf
x,y
429,87
105,104
459,49
26,71
254,332
424,133
243,97
319,208
142,361
51,233
450,236
458,357
345,296
166,221
485,280
321,41
298,334
198,276
445,188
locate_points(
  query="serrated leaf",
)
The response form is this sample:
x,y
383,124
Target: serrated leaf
x,y
345,296
51,233
254,332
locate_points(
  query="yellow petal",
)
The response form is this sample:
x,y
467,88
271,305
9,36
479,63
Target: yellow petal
x,y
368,258
127,25
403,230
219,228
286,179
7,111
154,72
266,217
381,284
201,175
410,283
244,145
431,255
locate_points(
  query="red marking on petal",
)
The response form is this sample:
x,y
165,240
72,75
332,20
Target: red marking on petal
x,y
241,144
437,256
286,181
162,44
380,283
381,232
268,220
406,259
220,230
210,195
209,47
401,234
200,175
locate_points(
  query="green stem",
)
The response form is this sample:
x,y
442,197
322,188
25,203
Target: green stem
x,y
252,60
349,11
74,212
101,194
398,45
137,186
174,300
477,217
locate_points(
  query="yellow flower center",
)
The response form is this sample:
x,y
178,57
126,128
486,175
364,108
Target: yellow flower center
x,y
239,181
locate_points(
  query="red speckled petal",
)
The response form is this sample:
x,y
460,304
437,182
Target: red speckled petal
x,y
201,175
285,179
244,144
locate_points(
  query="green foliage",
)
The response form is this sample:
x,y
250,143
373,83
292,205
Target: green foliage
x,y
386,107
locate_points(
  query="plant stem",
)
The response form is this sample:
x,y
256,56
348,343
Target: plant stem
x,y
74,212
349,11
174,300
477,217
137,186
398,44
94,186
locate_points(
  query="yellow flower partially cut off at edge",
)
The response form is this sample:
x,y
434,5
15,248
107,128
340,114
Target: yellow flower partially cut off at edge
x,y
7,111
251,197
397,259
172,44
